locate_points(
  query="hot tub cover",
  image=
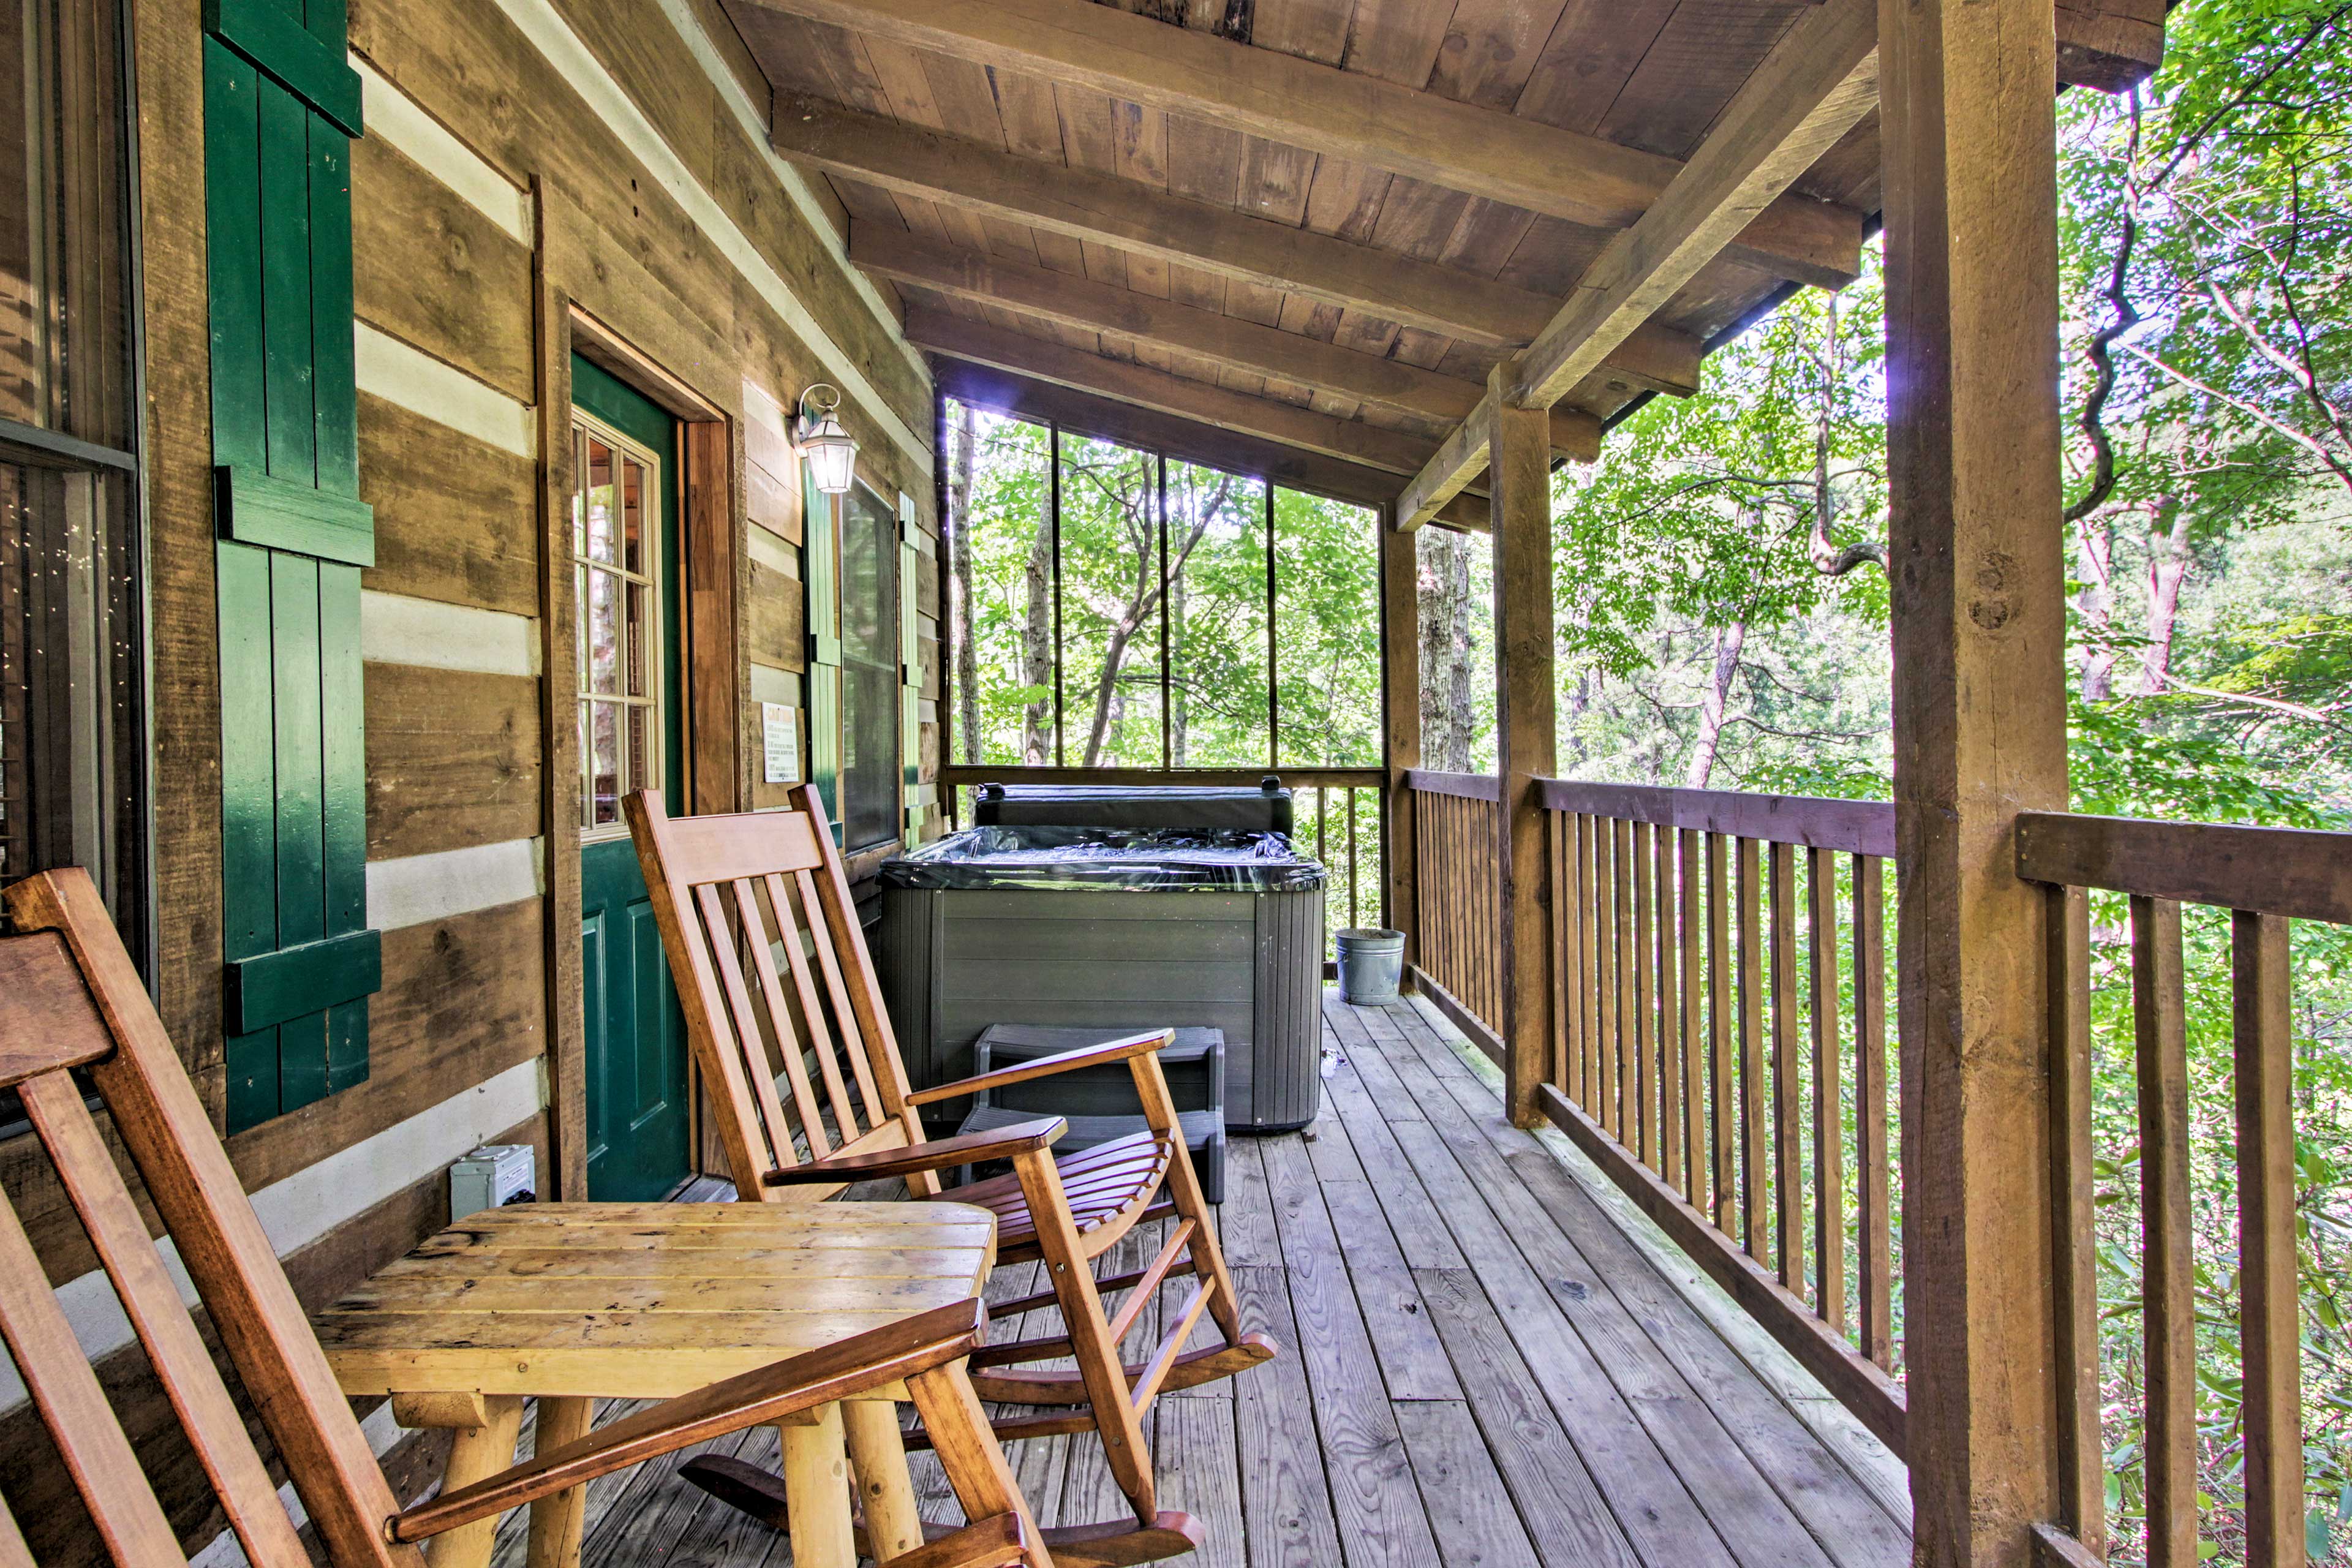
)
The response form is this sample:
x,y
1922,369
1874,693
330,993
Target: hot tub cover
x,y
1108,859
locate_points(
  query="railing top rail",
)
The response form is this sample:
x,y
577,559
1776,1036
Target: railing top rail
x,y
2293,871
1855,826
1469,786
953,774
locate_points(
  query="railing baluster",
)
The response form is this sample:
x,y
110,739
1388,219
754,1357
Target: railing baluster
x,y
1754,1158
2167,1261
1558,831
1719,1035
1604,962
1828,1132
1622,960
1695,1152
1787,1135
2082,1460
1645,1002
1876,1275
1669,1053
1589,922
2271,1347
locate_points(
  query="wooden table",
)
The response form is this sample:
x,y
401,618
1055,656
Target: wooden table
x,y
568,1303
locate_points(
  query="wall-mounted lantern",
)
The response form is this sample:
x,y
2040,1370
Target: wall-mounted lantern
x,y
831,451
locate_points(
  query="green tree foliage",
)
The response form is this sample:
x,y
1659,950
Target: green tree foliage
x,y
2207,247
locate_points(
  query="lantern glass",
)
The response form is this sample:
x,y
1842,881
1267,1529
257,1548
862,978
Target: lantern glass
x,y
832,455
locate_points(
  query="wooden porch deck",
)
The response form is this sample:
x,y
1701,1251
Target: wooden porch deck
x,y
1490,1360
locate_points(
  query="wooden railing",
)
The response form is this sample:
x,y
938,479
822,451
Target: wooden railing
x,y
2264,878
1457,846
1705,1024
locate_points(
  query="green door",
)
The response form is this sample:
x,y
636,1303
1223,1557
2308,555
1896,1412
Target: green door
x,y
625,573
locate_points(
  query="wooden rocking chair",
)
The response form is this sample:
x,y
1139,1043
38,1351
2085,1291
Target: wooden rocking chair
x,y
70,999
768,886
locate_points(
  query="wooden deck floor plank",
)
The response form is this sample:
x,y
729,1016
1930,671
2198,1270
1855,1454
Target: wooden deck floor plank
x,y
1377,1508
1468,1507
1565,1514
1420,1231
1412,1359
1753,1518
1659,1515
1484,1361
1848,1513
1286,1519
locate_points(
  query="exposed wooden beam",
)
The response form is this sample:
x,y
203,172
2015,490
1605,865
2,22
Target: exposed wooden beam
x,y
1459,459
914,161
1352,440
1815,87
1228,341
1291,467
2109,44
1261,92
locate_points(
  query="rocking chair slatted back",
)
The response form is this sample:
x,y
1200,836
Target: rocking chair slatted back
x,y
743,903
70,998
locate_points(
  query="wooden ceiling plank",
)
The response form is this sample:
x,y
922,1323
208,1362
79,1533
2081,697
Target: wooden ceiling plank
x,y
1817,82
1072,301
1821,80
1446,300
1206,401
1298,102
1187,440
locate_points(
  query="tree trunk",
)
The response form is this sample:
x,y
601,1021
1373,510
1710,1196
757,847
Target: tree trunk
x,y
1445,562
1141,601
2168,567
967,652
2096,603
1728,641
1037,643
1179,711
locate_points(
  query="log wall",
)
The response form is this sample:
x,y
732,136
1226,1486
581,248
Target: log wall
x,y
536,173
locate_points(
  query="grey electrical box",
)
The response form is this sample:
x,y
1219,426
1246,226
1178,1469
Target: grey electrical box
x,y
492,1176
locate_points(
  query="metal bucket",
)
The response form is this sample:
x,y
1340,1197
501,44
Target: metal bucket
x,y
1372,963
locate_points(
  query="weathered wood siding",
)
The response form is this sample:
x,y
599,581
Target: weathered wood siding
x,y
529,165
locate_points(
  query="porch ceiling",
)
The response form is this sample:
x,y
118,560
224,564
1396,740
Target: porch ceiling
x,y
1323,222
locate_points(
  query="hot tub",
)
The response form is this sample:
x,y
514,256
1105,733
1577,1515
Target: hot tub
x,y
1116,926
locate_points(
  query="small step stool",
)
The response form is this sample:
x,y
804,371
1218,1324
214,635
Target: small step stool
x,y
1100,1102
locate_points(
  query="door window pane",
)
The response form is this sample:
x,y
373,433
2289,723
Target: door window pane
x,y
869,669
1110,606
619,616
1217,711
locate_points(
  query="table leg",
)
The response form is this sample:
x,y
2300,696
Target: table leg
x,y
878,1452
478,1453
556,1521
816,1481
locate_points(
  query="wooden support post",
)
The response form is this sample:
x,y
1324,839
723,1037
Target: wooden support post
x,y
1969,146
1524,719
1401,715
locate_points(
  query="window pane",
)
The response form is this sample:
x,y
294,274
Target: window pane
x,y
1327,631
869,669
1218,711
633,497
597,485
869,558
63,338
604,764
1110,606
601,625
999,542
70,670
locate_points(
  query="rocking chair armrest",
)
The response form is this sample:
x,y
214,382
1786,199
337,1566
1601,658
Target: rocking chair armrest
x,y
999,1540
839,1371
1120,1050
966,1149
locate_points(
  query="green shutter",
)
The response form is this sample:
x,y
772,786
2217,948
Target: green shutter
x,y
821,563
910,673
281,106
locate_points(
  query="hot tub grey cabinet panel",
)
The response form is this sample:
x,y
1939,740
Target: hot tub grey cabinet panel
x,y
956,960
